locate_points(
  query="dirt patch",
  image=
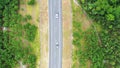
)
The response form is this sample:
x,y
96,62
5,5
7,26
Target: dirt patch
x,y
85,22
81,16
67,34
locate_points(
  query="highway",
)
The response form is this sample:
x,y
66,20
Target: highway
x,y
55,33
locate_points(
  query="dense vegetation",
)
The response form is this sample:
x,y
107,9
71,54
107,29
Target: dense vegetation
x,y
31,2
13,46
102,51
30,31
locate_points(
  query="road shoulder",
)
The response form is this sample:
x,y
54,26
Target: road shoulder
x,y
44,60
67,34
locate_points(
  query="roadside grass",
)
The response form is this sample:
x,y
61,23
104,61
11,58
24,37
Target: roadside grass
x,y
34,12
76,21
80,36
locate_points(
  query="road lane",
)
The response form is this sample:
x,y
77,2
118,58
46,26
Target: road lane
x,y
55,34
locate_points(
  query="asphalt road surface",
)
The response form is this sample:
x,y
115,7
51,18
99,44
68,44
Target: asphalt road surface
x,y
55,33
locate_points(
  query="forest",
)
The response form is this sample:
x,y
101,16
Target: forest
x,y
14,32
102,51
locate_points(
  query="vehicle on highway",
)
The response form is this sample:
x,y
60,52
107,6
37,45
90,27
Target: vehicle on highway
x,y
57,15
57,44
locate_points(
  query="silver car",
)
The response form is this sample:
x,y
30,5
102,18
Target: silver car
x,y
57,44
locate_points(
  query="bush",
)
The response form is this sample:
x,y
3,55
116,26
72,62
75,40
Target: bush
x,y
31,2
30,31
27,18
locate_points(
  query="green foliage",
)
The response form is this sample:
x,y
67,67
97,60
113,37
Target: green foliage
x,y
30,31
31,59
31,2
27,18
12,47
110,17
107,53
93,50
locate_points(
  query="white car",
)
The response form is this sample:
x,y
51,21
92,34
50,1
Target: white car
x,y
56,15
57,44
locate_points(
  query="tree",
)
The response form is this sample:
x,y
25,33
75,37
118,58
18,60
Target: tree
x,y
31,2
110,17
